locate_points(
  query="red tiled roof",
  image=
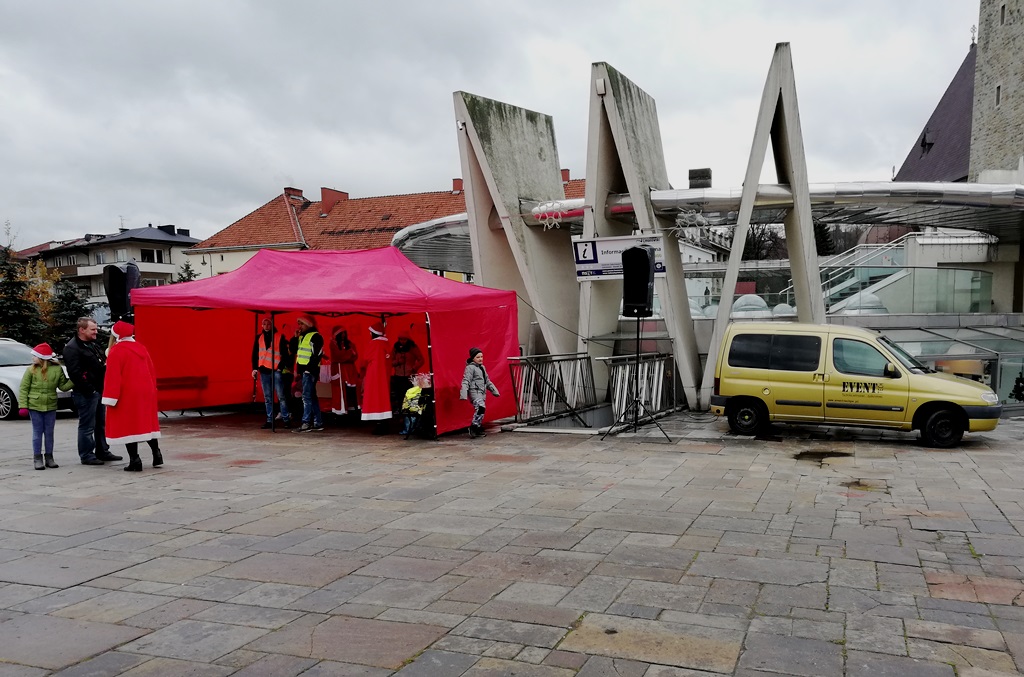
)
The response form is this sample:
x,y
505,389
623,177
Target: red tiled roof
x,y
366,223
354,223
269,224
26,254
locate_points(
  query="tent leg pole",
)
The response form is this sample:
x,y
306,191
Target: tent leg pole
x,y
430,356
273,370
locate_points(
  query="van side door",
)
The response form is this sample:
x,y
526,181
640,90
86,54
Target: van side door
x,y
797,378
858,389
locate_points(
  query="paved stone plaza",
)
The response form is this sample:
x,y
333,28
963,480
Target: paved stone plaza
x,y
253,553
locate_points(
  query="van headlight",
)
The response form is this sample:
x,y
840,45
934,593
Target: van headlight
x,y
990,397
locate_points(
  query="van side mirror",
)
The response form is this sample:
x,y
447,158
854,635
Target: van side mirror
x,y
890,371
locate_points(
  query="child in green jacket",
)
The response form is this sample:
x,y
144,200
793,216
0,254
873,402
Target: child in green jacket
x,y
39,400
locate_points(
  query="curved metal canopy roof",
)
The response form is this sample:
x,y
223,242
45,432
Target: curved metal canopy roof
x,y
994,209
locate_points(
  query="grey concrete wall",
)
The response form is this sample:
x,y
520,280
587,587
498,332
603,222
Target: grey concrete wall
x,y
517,157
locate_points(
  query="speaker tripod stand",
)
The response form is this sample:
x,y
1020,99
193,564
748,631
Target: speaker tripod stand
x,y
636,405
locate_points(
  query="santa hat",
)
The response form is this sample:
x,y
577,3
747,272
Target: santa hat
x,y
306,320
122,329
43,351
377,329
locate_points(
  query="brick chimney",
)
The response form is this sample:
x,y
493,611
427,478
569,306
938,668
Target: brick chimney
x,y
565,176
293,192
456,186
330,197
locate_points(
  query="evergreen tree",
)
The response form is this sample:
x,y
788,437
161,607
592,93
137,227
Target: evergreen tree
x,y
187,272
1018,388
19,317
823,240
68,305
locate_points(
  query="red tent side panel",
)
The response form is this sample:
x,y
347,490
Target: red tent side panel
x,y
202,357
495,331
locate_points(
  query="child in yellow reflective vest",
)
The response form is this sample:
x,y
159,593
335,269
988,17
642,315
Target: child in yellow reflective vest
x,y
413,404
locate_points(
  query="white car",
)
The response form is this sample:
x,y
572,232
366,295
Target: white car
x,y
15,358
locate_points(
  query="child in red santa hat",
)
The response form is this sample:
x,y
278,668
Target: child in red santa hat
x,y
39,401
129,391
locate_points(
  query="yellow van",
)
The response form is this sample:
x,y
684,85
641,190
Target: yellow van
x,y
811,373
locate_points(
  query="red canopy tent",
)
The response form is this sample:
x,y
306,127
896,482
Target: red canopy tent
x,y
200,333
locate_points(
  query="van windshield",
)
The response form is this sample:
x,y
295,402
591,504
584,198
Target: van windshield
x,y
905,358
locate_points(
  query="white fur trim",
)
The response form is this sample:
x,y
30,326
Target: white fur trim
x,y
382,416
109,401
143,437
338,411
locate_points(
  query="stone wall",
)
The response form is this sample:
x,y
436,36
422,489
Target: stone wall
x,y
997,131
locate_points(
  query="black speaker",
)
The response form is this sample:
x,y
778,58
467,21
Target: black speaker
x,y
118,281
638,281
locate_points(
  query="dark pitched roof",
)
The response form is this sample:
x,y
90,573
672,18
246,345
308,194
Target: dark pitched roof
x,y
150,235
943,149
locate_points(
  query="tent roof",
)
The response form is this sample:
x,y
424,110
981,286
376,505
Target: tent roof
x,y
371,281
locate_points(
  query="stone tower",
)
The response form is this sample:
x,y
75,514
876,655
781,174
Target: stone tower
x,y
997,128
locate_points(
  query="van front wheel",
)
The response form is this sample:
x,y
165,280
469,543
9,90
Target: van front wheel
x,y
747,416
943,429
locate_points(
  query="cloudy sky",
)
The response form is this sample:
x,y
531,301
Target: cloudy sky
x,y
195,112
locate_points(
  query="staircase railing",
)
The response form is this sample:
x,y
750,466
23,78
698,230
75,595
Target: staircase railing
x,y
838,269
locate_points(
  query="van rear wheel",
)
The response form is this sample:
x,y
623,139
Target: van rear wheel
x,y
747,416
943,429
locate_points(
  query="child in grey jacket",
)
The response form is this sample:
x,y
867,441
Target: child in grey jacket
x,y
475,384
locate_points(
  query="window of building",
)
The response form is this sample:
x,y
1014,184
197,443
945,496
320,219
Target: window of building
x,y
152,255
999,94
97,288
84,290
152,282
100,258
121,255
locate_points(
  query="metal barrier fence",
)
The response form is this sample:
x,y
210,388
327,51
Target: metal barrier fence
x,y
546,385
657,382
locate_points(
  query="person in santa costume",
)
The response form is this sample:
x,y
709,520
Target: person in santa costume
x,y
129,392
344,375
376,381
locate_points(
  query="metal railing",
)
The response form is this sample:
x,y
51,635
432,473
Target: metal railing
x,y
656,379
547,385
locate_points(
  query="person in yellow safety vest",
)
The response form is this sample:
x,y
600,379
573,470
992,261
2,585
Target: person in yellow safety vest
x,y
307,368
268,365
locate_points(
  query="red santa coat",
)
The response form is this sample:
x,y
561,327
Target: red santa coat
x,y
129,391
376,381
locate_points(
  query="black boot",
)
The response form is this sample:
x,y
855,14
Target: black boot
x,y
134,462
49,461
38,462
158,458
480,431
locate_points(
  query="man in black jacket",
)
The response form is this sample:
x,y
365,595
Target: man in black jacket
x,y
86,365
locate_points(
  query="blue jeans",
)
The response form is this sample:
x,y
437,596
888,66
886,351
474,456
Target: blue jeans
x,y
268,393
42,426
92,424
310,402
